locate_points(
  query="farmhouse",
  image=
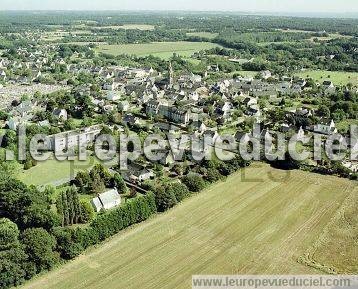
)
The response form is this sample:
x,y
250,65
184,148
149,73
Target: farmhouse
x,y
107,200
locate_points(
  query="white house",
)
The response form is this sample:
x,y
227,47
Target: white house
x,y
193,96
199,126
123,106
226,109
300,134
325,128
139,72
14,122
265,74
328,86
250,101
113,96
351,165
60,114
2,74
137,173
70,139
107,200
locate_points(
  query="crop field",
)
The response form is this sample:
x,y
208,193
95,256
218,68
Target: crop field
x,y
339,236
163,50
261,220
337,77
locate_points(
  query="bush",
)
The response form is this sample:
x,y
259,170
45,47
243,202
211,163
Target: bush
x,y
194,183
213,175
87,212
9,234
179,190
39,245
119,183
14,267
225,169
165,199
66,243
132,212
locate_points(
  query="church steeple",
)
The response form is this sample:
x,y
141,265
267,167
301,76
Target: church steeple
x,y
171,74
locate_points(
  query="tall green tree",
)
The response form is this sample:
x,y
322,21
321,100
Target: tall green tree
x,y
39,245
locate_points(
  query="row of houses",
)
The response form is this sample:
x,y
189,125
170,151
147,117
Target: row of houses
x,y
72,139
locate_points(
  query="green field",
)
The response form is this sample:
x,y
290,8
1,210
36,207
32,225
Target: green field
x,y
207,35
53,172
163,50
142,27
244,225
337,77
339,236
246,73
345,125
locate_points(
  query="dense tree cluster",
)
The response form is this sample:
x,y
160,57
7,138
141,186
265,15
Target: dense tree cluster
x,y
97,179
71,209
32,239
71,242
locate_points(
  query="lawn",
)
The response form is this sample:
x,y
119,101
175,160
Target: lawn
x,y
163,50
54,172
345,125
337,77
259,222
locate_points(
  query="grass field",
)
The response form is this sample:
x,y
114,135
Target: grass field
x,y
60,34
246,73
53,172
127,27
330,37
339,236
207,35
160,49
345,125
241,226
337,77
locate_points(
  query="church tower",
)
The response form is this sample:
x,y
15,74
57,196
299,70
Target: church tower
x,y
171,74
